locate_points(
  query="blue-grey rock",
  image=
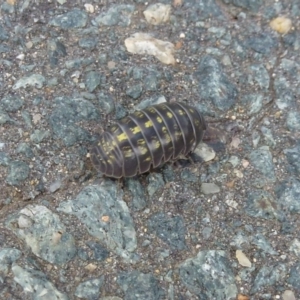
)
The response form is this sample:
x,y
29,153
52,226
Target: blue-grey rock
x,y
268,276
252,103
151,83
188,176
7,257
169,229
137,285
121,112
268,136
56,49
262,161
200,10
288,193
139,200
260,76
106,102
261,204
99,252
27,118
134,91
214,86
292,40
88,43
252,5
7,8
157,99
106,216
117,14
208,188
36,284
4,159
65,115
293,279
4,48
260,242
262,43
90,289
93,79
293,121
5,118
295,247
18,172
284,94
293,158
44,233
209,275
25,149
39,135
34,80
4,35
79,62
11,103
155,182
75,18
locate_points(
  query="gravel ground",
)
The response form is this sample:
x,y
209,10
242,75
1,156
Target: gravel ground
x,y
224,227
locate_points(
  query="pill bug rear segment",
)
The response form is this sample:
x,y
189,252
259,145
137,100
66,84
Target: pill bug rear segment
x,y
148,138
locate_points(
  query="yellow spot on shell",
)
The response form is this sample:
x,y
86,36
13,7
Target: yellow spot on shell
x,y
148,124
159,119
135,129
122,137
169,115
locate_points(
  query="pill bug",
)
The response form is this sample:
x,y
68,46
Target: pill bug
x,y
147,139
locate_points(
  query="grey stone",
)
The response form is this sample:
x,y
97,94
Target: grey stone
x,y
18,172
288,193
212,80
260,242
11,103
209,188
268,276
7,257
99,252
64,117
4,35
75,18
293,158
293,121
34,80
261,204
293,279
106,217
117,14
44,233
25,149
4,159
56,49
134,91
39,135
90,289
253,103
36,284
139,200
169,229
93,79
137,285
262,43
88,43
209,275
157,99
262,161
155,182
252,5
106,102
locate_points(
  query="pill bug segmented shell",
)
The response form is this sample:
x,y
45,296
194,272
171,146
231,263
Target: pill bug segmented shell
x,y
147,139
